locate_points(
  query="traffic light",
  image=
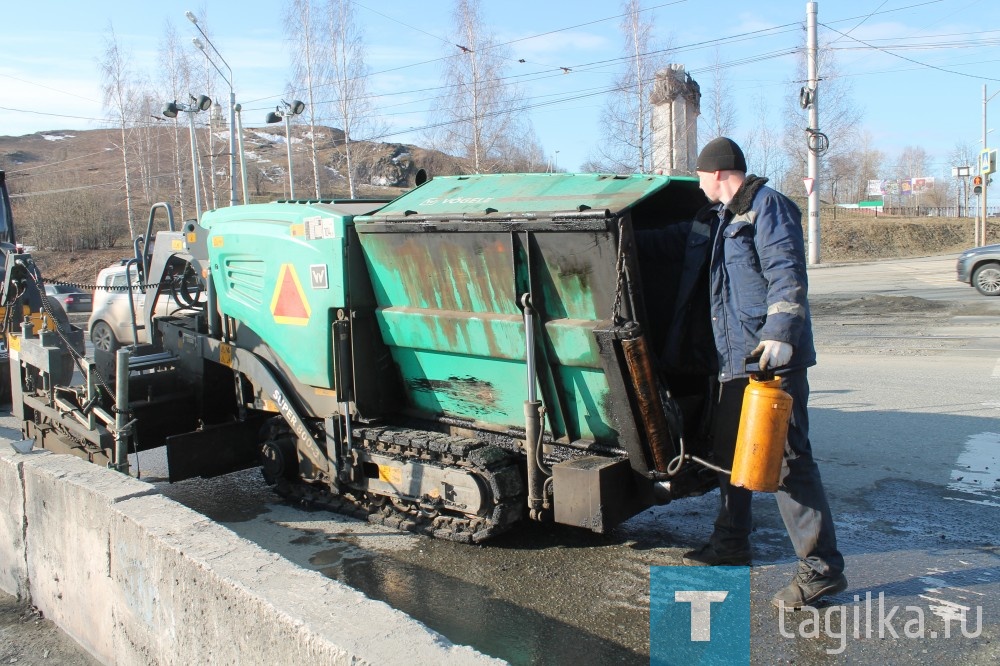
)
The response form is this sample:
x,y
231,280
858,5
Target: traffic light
x,y
977,184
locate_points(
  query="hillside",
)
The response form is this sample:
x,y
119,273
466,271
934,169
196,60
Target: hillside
x,y
65,166
59,159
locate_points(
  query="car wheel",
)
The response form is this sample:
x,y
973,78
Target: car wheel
x,y
103,337
986,279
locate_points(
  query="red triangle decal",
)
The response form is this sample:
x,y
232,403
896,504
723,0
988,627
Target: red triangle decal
x,y
289,303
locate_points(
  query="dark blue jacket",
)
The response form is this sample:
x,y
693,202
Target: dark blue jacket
x,y
758,285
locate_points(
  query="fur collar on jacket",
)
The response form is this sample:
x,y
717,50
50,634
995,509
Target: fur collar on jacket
x,y
743,199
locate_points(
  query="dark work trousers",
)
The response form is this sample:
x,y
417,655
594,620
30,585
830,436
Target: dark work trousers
x,y
801,499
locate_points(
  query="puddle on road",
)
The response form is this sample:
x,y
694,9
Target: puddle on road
x,y
977,470
466,613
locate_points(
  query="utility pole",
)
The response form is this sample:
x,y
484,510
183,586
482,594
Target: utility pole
x,y
813,152
813,131
981,239
286,111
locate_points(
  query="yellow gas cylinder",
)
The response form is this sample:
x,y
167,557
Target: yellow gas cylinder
x,y
760,440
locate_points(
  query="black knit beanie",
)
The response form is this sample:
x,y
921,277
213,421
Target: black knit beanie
x,y
721,154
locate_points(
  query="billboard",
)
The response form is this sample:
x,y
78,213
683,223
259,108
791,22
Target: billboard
x,y
903,186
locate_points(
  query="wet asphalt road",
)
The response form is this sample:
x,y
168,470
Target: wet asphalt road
x,y
904,410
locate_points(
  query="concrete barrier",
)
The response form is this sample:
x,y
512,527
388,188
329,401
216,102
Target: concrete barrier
x,y
13,565
136,578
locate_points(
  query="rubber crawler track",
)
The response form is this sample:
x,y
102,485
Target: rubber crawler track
x,y
497,470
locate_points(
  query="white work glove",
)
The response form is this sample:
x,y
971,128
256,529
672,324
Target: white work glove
x,y
773,353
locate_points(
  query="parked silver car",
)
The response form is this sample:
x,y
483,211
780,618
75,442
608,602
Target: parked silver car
x,y
980,267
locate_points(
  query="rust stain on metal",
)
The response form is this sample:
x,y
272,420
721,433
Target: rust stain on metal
x,y
579,269
438,272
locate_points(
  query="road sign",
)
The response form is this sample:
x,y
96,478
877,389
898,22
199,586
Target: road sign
x,y
809,185
987,161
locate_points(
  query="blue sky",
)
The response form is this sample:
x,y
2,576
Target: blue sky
x,y
928,94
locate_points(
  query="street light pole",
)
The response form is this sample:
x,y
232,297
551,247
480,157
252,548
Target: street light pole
x,y
288,146
232,104
194,167
243,163
286,111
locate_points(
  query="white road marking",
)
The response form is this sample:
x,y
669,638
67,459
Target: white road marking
x,y
946,610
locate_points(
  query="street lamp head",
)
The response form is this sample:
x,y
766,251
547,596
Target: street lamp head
x,y
191,17
273,117
197,42
202,102
170,110
297,106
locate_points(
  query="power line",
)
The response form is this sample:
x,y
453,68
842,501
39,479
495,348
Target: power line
x,y
57,115
39,85
916,62
48,164
862,21
22,195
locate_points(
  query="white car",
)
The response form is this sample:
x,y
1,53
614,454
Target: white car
x,y
110,322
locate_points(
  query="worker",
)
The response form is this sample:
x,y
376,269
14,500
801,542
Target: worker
x,y
758,301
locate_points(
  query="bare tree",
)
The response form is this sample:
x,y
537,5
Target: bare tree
x,y
348,76
850,171
305,28
839,117
482,110
147,145
524,153
964,154
93,210
720,109
762,144
868,162
627,143
911,163
119,96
